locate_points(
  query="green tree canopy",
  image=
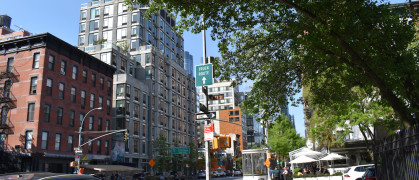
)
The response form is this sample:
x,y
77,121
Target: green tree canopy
x,y
328,45
283,138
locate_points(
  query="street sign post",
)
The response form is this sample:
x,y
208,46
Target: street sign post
x,y
204,76
180,150
200,116
152,162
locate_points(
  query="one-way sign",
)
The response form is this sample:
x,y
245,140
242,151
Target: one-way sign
x,y
200,116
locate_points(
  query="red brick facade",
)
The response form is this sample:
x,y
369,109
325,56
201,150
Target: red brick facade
x,y
232,115
56,97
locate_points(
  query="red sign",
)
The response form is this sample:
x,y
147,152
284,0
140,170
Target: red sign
x,y
208,128
208,132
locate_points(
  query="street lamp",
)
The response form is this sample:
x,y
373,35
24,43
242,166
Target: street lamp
x,y
81,127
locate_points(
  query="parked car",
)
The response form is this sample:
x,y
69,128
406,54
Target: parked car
x,y
354,172
214,174
237,173
222,173
228,173
202,175
369,174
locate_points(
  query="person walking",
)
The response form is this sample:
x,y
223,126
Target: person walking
x,y
286,174
276,174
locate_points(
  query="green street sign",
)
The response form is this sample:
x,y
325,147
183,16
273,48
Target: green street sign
x,y
180,150
203,76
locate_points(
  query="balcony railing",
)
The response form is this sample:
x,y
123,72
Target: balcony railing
x,y
7,97
9,72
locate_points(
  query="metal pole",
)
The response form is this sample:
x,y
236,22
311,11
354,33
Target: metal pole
x,y
80,129
207,163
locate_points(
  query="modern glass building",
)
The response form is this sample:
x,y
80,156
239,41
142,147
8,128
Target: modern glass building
x,y
154,94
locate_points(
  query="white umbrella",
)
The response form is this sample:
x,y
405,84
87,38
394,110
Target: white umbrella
x,y
303,159
332,156
308,152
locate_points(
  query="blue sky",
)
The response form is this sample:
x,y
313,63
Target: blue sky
x,y
61,17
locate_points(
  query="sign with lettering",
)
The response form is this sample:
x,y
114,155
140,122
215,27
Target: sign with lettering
x,y
204,76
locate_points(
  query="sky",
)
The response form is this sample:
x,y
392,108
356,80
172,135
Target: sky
x,y
61,18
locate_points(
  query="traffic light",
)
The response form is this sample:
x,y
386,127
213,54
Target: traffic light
x,y
125,136
228,142
215,144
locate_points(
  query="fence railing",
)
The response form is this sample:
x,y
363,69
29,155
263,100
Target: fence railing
x,y
396,156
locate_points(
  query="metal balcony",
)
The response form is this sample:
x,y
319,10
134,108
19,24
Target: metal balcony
x,y
9,73
8,98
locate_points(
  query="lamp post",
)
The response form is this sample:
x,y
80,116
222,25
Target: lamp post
x,y
80,129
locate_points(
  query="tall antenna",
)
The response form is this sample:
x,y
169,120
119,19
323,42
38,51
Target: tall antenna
x,y
19,27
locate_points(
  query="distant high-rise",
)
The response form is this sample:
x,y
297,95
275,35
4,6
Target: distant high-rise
x,y
154,93
189,63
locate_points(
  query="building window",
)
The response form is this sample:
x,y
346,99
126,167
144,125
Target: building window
x,y
108,125
106,147
83,98
49,87
44,143
75,71
31,111
109,88
120,90
101,83
84,76
28,139
72,118
63,67
36,58
100,101
57,142
92,100
83,14
51,61
120,107
90,148
94,12
99,146
144,148
47,112
128,91
61,88
136,145
99,124
70,144
60,115
108,106
93,80
91,119
34,82
93,25
73,94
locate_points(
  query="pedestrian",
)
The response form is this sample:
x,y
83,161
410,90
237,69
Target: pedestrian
x,y
286,174
276,174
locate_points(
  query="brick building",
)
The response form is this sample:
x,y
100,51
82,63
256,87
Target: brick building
x,y
47,87
235,131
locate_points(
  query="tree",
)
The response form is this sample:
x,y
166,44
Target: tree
x,y
331,46
283,138
163,158
364,111
192,158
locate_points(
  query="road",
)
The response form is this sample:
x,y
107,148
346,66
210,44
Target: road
x,y
227,178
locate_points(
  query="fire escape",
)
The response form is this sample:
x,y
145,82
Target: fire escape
x,y
8,75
